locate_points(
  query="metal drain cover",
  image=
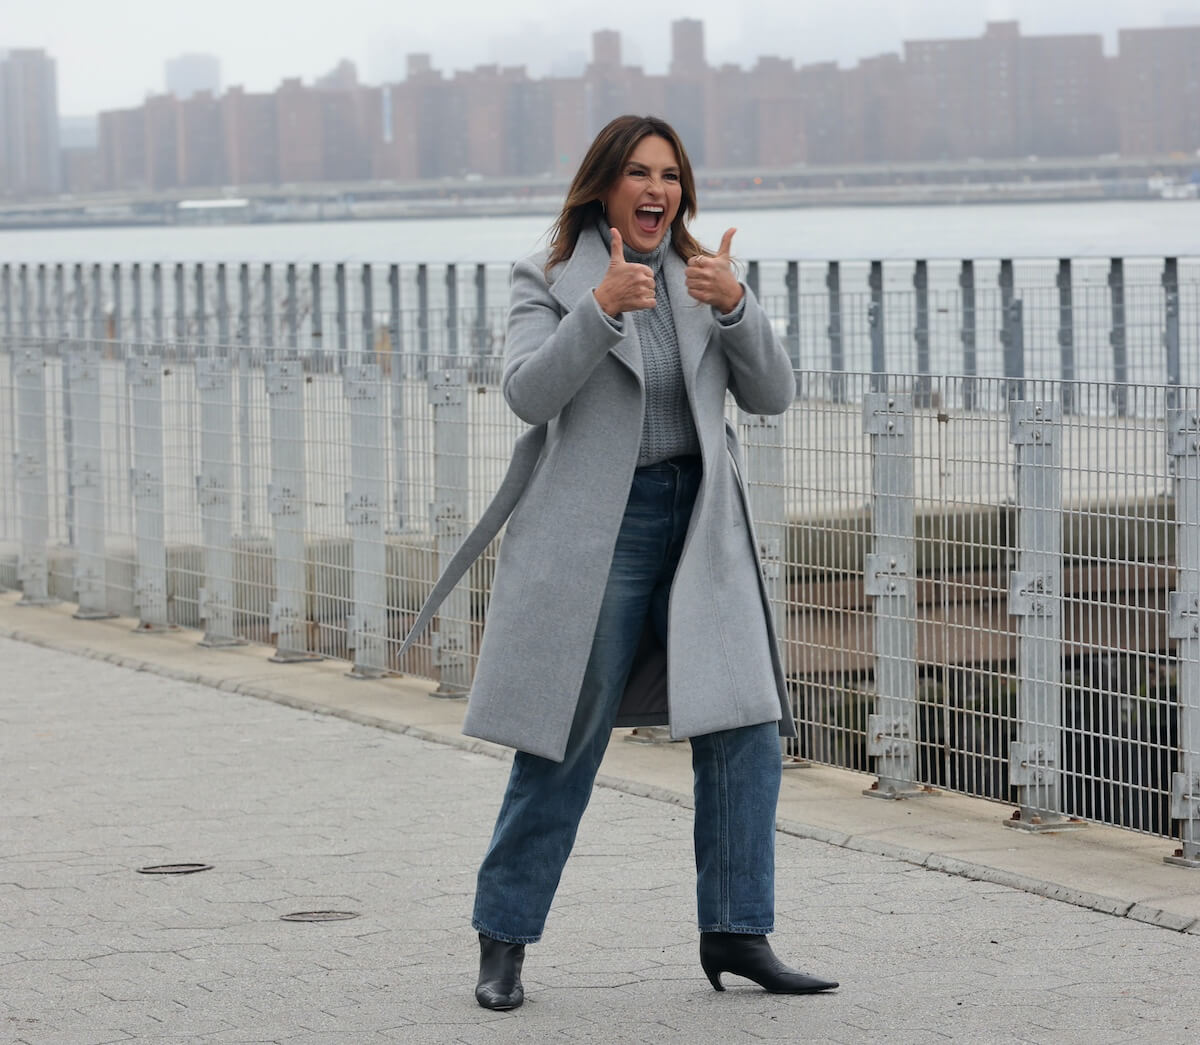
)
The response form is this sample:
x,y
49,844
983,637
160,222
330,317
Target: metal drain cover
x,y
318,916
174,868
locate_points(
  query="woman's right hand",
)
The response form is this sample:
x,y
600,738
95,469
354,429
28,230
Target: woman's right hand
x,y
626,287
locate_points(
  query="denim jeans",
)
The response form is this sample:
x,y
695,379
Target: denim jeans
x,y
736,772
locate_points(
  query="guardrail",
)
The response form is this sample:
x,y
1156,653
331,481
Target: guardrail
x,y
987,584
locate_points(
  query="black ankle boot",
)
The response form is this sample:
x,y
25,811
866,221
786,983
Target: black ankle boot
x,y
500,964
751,956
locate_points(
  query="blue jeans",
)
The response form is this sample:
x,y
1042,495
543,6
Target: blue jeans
x,y
736,772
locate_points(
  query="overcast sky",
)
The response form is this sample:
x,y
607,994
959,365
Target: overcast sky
x,y
111,55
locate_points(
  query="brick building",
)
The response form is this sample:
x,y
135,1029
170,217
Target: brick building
x,y
30,164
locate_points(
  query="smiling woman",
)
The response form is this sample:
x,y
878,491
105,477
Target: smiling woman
x,y
627,589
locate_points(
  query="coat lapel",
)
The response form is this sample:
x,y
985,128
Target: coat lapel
x,y
693,320
580,274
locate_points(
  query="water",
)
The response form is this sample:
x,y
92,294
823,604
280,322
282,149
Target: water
x,y
1129,229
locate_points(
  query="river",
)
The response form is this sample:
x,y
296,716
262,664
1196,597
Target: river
x,y
1129,229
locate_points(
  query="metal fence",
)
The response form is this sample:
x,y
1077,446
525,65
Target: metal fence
x,y
985,581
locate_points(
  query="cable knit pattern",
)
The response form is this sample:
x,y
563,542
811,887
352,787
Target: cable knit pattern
x,y
668,429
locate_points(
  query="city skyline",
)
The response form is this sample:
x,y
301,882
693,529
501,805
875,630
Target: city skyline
x,y
102,66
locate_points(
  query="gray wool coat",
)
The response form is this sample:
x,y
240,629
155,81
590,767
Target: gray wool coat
x,y
578,381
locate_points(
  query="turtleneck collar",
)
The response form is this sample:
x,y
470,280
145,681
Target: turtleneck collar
x,y
653,260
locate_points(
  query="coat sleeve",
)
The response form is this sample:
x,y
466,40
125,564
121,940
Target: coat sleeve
x,y
760,373
549,354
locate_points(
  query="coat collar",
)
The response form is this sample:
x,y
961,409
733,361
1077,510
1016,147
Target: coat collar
x,y
584,270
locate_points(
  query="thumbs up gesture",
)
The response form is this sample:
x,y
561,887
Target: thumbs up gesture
x,y
626,287
711,279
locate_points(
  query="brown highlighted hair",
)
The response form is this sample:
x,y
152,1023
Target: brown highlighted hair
x,y
601,167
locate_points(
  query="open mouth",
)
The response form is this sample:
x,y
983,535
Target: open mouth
x,y
649,217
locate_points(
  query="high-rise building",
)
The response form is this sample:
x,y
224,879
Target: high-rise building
x,y
687,48
30,164
1158,97
190,74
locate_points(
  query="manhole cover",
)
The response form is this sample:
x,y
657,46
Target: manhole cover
x,y
174,868
318,916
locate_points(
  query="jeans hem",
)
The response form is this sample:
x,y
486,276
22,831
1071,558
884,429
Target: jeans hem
x,y
746,930
479,927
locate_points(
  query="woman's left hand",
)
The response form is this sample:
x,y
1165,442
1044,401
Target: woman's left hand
x,y
711,280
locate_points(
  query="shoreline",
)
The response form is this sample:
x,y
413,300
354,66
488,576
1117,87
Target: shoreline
x,y
50,216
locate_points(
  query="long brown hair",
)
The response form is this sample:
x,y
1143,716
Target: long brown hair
x,y
602,166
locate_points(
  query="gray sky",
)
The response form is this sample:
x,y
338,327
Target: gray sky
x,y
112,55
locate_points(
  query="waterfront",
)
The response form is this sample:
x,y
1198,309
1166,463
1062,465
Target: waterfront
x,y
1129,229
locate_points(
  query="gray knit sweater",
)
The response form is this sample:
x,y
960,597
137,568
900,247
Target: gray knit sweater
x,y
667,426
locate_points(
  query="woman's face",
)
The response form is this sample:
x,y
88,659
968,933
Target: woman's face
x,y
643,201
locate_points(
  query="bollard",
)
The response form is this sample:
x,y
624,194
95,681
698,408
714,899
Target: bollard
x,y
1183,625
291,318
366,627
198,294
368,316
451,310
156,303
245,432
448,515
888,577
180,304
222,311
214,497
1035,600
117,326
1012,334
479,342
343,321
317,335
144,375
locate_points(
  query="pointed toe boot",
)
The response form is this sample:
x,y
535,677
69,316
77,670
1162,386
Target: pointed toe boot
x,y
750,956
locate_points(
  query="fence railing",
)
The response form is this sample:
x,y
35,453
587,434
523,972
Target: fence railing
x,y
984,583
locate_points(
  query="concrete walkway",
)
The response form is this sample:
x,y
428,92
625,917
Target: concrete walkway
x,y
105,769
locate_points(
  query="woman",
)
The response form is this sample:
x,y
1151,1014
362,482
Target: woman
x,y
627,588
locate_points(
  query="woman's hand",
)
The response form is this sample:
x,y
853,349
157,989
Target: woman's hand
x,y
711,280
626,287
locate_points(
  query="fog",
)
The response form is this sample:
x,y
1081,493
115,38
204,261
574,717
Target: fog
x,y
112,56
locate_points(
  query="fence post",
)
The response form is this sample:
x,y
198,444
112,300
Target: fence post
x,y
343,320
368,315
245,362
214,496
6,283
1170,282
156,301
837,353
1066,333
923,397
286,494
480,340
117,326
318,320
399,482
144,376
752,278
1012,334
86,479
200,304
291,312
33,485
875,323
423,313
1118,337
366,628
1183,446
1035,600
268,309
223,311
448,515
792,280
180,303
99,333
452,310
135,277
888,574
